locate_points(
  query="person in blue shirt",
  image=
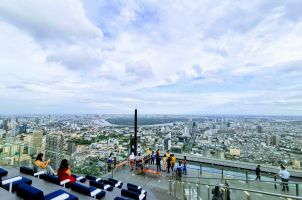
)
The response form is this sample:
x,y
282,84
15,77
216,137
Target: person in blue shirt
x,y
284,175
152,158
109,162
178,170
184,162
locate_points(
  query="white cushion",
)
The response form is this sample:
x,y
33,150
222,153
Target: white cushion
x,y
95,192
80,178
61,197
98,179
64,182
143,192
139,187
106,187
11,180
142,196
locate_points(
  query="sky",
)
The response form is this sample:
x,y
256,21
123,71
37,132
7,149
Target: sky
x,y
161,57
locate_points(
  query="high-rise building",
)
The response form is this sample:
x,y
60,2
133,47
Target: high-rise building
x,y
6,124
54,147
259,129
274,140
71,148
36,143
167,144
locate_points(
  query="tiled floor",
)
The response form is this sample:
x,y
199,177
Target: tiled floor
x,y
156,190
157,187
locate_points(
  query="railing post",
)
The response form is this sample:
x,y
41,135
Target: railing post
x,y
112,172
190,191
200,169
225,193
170,187
297,189
183,190
221,173
246,176
275,179
209,193
198,192
248,196
175,185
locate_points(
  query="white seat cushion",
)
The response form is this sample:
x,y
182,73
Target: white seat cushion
x,y
142,196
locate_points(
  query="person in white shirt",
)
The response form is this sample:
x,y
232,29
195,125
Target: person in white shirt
x,y
284,175
132,158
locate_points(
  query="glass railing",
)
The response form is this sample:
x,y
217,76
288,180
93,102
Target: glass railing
x,y
200,179
183,190
16,154
241,179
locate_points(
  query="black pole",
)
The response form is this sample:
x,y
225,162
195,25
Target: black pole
x,y
135,132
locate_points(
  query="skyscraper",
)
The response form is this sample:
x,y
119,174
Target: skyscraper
x,y
71,148
54,148
167,144
259,129
274,140
36,143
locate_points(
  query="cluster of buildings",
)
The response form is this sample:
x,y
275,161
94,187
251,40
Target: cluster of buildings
x,y
88,140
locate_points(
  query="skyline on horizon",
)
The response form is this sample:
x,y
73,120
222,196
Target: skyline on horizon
x,y
172,57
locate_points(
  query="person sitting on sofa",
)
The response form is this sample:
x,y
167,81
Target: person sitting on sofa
x,y
64,172
40,165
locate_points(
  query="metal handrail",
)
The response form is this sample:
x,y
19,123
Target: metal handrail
x,y
248,190
237,179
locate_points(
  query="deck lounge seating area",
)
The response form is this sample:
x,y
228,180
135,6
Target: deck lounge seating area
x,y
96,188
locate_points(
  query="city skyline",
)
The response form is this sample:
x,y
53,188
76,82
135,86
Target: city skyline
x,y
171,57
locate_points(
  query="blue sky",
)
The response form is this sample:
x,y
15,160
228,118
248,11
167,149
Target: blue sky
x,y
172,57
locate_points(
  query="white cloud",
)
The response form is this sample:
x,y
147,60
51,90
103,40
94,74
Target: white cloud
x,y
171,56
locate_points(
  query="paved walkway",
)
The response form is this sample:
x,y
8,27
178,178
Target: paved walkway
x,y
158,187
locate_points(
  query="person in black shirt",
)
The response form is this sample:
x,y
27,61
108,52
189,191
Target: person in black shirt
x,y
169,164
258,176
157,160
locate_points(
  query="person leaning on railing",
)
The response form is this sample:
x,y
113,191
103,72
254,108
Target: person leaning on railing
x,y
41,165
64,171
217,193
284,175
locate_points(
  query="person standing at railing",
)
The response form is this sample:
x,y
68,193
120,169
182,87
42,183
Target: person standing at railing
x,y
109,162
152,158
168,163
40,165
184,162
149,155
132,160
173,161
179,170
64,171
157,159
217,193
258,173
284,175
164,163
168,154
